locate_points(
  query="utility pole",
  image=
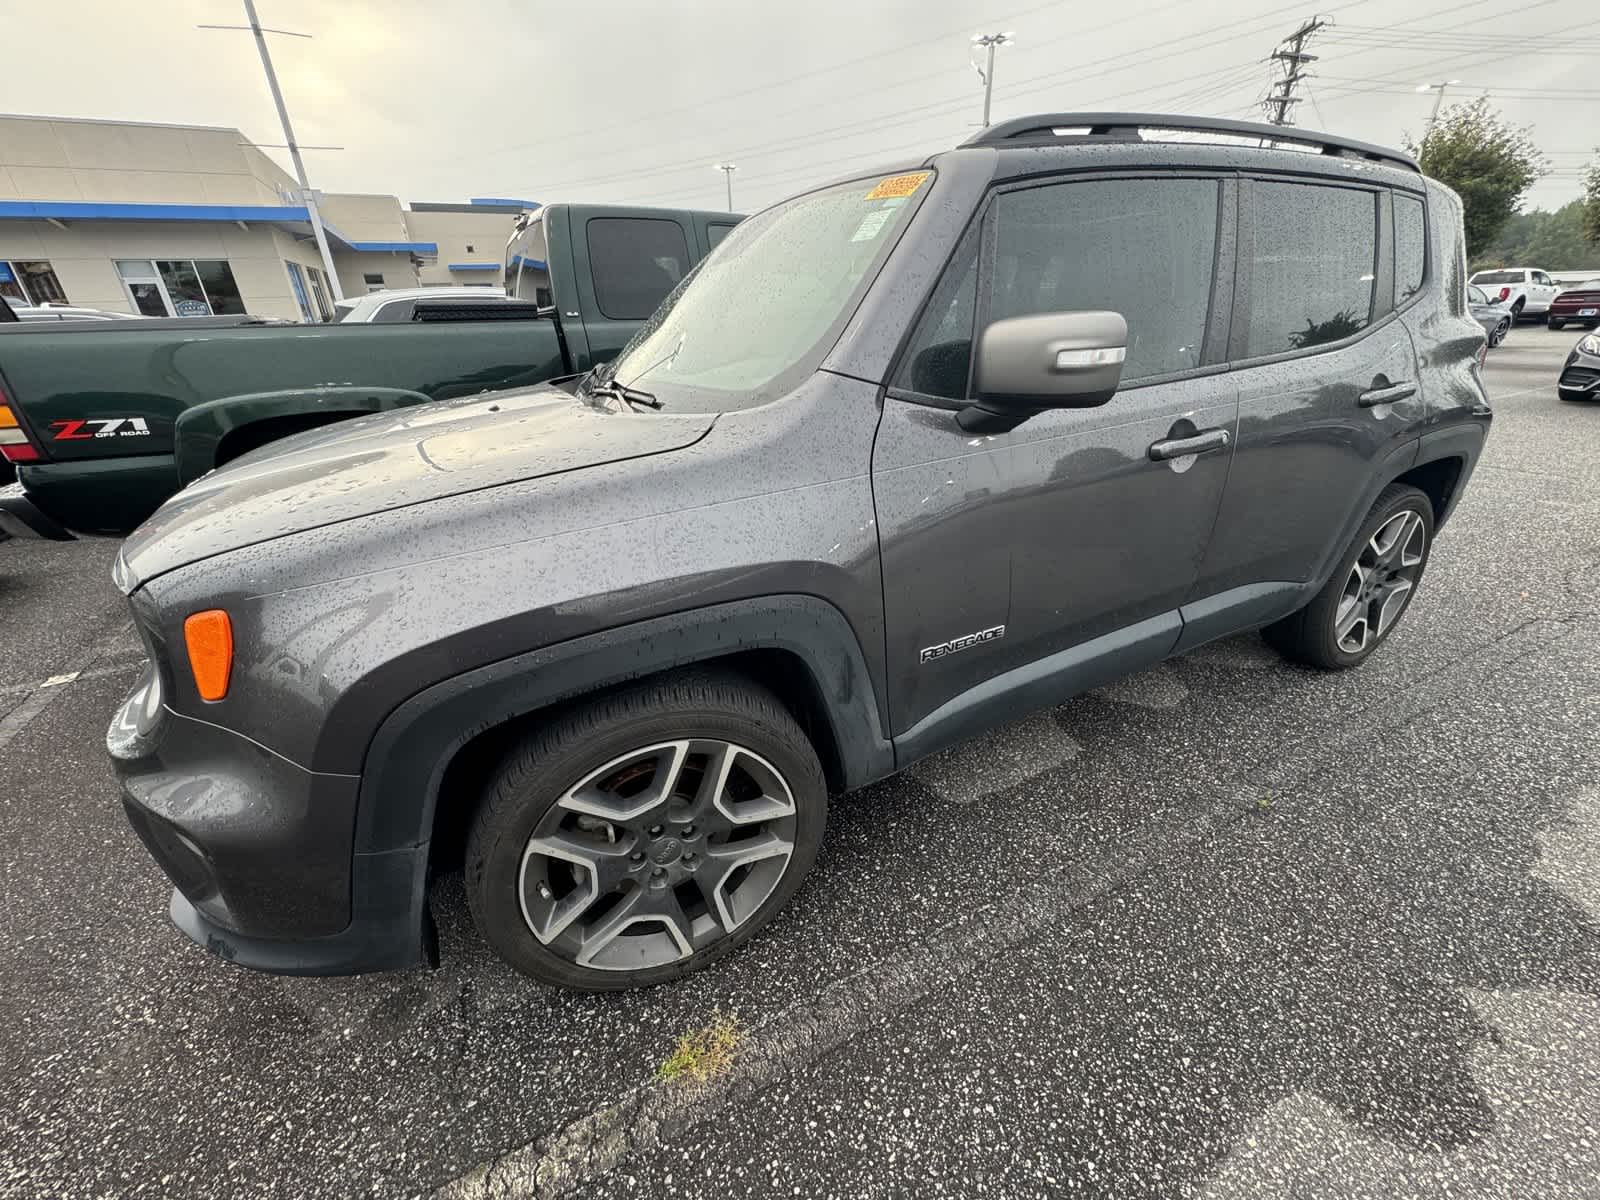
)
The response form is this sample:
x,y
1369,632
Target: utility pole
x,y
1291,55
307,193
727,170
986,73
1437,100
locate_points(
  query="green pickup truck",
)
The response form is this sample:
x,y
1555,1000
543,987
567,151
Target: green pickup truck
x,y
104,420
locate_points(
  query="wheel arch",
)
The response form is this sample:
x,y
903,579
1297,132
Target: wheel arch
x,y
430,753
202,433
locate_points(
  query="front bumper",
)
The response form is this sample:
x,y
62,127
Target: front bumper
x,y
260,850
22,518
1580,377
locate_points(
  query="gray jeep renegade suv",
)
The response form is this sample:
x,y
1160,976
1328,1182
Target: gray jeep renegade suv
x,y
904,458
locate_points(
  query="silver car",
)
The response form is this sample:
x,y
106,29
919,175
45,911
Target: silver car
x,y
1493,315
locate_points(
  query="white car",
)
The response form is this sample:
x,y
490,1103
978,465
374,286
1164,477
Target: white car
x,y
1526,290
65,312
398,304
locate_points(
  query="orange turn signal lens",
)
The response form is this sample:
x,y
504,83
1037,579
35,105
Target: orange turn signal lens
x,y
8,419
209,636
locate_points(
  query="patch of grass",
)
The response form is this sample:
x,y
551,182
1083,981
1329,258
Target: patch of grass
x,y
703,1054
1265,800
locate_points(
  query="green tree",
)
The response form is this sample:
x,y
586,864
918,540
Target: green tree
x,y
1491,166
1591,204
1552,240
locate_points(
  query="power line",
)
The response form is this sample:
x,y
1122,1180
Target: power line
x,y
1291,56
1136,60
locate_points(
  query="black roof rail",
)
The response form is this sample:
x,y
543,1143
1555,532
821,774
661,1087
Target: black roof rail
x,y
1126,127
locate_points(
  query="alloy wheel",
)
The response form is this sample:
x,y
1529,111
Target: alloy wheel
x,y
657,854
1380,582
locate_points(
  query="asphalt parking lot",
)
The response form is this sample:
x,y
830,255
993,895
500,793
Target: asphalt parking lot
x,y
1225,929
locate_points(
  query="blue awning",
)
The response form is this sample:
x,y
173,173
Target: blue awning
x,y
474,266
294,217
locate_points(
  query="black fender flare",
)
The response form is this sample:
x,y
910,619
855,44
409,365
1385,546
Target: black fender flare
x,y
408,755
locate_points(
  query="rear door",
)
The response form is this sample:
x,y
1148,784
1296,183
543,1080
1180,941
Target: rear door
x,y
1328,386
626,264
1001,550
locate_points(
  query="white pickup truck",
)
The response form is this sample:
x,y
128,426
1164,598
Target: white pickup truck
x,y
1526,290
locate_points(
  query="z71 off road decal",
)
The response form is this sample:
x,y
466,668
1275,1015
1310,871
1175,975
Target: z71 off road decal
x,y
964,642
104,427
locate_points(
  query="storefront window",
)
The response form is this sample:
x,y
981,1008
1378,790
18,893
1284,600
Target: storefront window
x,y
181,287
30,283
297,280
319,289
216,276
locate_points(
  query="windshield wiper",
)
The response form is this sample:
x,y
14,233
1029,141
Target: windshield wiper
x,y
619,391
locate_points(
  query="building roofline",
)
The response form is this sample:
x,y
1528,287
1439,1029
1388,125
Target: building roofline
x,y
5,116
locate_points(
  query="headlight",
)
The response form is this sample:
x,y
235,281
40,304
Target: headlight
x,y
1589,343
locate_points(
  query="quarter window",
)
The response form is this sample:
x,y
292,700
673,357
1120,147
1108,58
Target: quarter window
x,y
1410,241
1313,266
636,262
1142,247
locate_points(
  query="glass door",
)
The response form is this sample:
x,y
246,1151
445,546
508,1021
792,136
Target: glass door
x,y
184,293
144,288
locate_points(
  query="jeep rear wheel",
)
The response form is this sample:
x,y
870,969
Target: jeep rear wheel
x,y
1372,587
644,835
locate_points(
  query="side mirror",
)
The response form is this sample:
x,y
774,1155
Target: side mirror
x,y
1048,360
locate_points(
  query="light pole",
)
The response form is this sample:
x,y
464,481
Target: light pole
x,y
989,41
1438,99
727,170
307,193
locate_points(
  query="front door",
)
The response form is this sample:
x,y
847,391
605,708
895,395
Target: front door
x,y
1003,552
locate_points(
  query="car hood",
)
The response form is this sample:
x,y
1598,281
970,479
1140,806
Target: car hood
x,y
390,460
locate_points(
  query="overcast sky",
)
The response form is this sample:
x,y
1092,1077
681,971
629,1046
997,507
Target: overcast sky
x,y
627,100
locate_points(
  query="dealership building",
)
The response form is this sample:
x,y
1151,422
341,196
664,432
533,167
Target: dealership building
x,y
187,220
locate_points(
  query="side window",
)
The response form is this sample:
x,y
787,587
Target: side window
x,y
1313,268
715,234
393,312
939,358
636,261
1140,247
1410,241
1541,278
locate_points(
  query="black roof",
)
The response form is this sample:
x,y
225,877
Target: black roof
x,y
1126,127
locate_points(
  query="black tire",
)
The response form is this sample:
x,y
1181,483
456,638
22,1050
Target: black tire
x,y
1309,636
1574,397
1552,323
1516,311
525,789
1499,333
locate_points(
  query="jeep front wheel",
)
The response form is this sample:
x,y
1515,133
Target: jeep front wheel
x,y
641,836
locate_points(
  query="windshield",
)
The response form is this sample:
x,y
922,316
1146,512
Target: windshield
x,y
760,312
1497,277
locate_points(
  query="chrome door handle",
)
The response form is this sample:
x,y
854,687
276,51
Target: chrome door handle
x,y
1195,443
1387,395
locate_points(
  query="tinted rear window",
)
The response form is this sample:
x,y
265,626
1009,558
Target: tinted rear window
x,y
636,261
1313,267
1498,277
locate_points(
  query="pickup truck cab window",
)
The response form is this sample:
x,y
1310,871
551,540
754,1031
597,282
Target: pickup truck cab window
x,y
636,262
758,314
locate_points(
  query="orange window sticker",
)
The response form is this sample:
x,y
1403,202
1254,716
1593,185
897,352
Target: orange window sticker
x,y
898,186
